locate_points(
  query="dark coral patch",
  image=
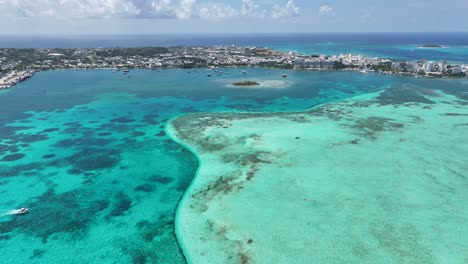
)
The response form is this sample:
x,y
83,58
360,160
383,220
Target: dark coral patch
x,y
13,157
123,120
13,171
48,156
88,181
72,124
37,253
405,94
8,148
115,127
27,138
161,134
89,159
49,130
370,127
82,141
145,188
53,213
138,134
151,230
75,171
121,205
4,237
96,162
161,179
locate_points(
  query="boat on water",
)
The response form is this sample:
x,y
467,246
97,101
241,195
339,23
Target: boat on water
x,y
19,211
244,72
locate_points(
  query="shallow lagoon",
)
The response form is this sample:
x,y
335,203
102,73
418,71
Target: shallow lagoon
x,y
377,178
86,152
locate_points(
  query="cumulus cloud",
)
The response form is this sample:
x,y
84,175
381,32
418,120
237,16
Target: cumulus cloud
x,y
325,10
161,5
290,9
217,11
171,9
70,8
251,9
185,9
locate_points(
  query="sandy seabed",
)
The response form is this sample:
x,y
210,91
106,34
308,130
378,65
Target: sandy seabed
x,y
371,179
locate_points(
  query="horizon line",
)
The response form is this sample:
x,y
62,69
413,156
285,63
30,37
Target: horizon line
x,y
227,34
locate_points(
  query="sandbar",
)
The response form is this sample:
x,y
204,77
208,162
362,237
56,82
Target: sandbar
x,y
373,179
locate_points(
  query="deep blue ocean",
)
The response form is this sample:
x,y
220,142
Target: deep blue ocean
x,y
403,46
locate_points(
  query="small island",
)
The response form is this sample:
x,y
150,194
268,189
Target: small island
x,y
432,46
246,83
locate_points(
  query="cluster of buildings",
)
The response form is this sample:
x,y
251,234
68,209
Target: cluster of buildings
x,y
385,66
13,77
18,64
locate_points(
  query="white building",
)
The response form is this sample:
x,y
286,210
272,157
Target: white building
x,y
429,66
456,70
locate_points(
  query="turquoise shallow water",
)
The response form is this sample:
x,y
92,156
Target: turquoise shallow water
x,y
404,52
86,152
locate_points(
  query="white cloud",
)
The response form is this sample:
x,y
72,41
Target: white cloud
x,y
290,9
161,5
325,10
69,8
171,9
251,9
185,9
217,11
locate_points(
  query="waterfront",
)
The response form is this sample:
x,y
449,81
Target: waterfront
x,y
14,61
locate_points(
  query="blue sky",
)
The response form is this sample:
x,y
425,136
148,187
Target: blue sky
x,y
23,17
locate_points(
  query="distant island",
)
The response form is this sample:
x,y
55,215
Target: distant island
x,y
432,46
246,83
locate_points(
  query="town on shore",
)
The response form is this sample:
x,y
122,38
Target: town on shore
x,y
17,65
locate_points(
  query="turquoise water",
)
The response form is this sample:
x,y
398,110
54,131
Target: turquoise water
x,y
86,152
404,52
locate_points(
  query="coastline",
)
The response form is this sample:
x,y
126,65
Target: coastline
x,y
169,130
285,85
248,250
211,57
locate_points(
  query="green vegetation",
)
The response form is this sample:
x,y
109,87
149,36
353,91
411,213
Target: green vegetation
x,y
338,65
128,52
246,83
431,46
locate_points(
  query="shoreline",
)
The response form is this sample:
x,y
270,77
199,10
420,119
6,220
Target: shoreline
x,y
168,129
414,75
171,131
